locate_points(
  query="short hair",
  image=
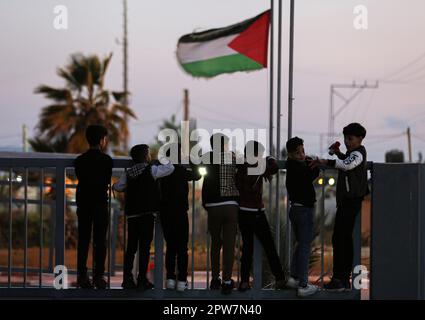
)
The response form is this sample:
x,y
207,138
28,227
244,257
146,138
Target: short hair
x,y
139,152
293,143
254,145
95,133
354,129
223,140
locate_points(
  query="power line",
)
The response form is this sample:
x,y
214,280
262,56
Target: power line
x,y
228,116
408,65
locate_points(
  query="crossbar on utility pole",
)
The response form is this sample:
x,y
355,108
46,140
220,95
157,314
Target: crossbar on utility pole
x,y
333,113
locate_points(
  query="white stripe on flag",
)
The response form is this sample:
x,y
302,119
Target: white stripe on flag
x,y
197,51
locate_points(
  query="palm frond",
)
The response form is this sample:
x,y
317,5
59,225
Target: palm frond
x,y
124,109
56,94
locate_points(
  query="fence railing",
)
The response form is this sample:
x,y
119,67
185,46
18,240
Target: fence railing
x,y
57,169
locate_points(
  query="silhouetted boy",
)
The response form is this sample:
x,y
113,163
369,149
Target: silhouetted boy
x,y
94,170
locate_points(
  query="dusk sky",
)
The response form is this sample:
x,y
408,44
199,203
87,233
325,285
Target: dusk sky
x,y
327,50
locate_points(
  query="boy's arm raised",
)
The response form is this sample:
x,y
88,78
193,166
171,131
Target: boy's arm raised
x,y
162,170
353,160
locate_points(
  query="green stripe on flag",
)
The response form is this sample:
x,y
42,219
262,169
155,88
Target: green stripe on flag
x,y
225,64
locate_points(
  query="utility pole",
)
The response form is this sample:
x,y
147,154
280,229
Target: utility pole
x,y
333,112
186,105
409,144
125,68
25,138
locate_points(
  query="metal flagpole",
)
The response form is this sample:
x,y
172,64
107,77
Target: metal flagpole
x,y
271,62
278,113
290,100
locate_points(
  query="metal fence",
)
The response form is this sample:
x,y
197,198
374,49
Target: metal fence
x,y
58,168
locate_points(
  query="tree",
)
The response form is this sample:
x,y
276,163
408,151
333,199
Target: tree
x,y
81,102
395,156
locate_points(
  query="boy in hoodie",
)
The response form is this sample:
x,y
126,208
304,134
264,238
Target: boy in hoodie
x,y
252,218
302,197
141,206
175,221
350,190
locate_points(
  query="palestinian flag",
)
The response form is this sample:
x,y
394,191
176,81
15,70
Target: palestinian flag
x,y
239,47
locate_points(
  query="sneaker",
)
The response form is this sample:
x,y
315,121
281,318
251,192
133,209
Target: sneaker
x,y
83,282
334,285
171,284
144,285
99,282
181,286
280,284
128,282
244,286
292,283
215,284
306,291
227,286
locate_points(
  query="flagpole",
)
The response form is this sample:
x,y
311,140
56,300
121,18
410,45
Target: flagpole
x,y
271,63
291,69
278,114
290,100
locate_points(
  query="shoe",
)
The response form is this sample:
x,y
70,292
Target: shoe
x,y
280,284
128,282
306,291
227,286
99,282
144,284
83,282
334,285
181,286
171,284
244,286
292,283
215,284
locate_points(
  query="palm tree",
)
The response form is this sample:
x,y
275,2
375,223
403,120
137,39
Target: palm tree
x,y
81,102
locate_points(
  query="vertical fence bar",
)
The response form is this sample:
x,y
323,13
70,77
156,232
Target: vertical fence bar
x,y
9,272
115,216
159,259
258,267
125,239
60,216
208,258
238,255
109,236
322,230
371,254
40,274
357,242
52,235
25,226
193,234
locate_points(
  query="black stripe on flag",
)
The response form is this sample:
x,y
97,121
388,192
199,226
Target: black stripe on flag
x,y
213,34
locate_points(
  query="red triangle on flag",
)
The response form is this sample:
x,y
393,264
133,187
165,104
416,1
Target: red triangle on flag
x,y
253,42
